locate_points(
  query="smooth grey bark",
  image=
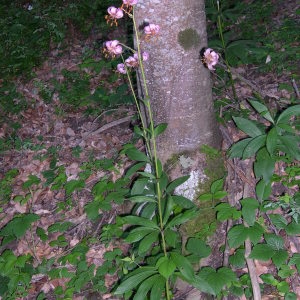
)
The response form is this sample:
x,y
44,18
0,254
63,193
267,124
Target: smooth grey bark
x,y
179,85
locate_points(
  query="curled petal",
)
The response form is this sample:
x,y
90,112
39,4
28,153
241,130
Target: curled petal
x,y
131,62
210,58
145,56
115,13
113,47
151,29
130,2
121,68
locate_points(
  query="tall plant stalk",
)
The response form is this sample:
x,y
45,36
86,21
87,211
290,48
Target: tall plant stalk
x,y
150,142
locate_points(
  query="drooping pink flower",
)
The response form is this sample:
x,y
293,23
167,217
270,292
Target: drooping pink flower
x,y
130,2
121,68
115,13
151,29
131,62
210,58
145,56
113,48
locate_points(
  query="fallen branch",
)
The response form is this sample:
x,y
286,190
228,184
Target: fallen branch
x,y
108,126
248,247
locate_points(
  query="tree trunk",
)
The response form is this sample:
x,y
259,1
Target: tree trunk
x,y
181,95
179,85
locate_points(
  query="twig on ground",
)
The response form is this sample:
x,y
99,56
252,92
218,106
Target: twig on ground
x,y
296,88
248,82
248,247
108,126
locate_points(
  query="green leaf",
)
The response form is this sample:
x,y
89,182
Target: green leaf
x,y
134,279
247,126
100,187
217,186
255,233
295,260
249,207
276,242
32,180
254,145
158,288
73,185
134,220
269,279
238,258
135,154
291,145
206,197
132,170
137,234
139,186
263,190
225,212
262,110
280,258
182,218
220,195
147,242
177,182
166,266
285,116
272,138
278,220
141,199
290,296
198,247
262,252
92,209
285,271
147,174
184,266
172,237
160,173
19,225
293,228
217,279
41,234
237,149
264,165
283,287
159,129
146,286
237,236
183,202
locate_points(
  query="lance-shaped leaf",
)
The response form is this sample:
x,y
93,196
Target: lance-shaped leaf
x,y
134,220
182,218
148,285
177,182
285,116
254,145
262,110
137,155
248,126
134,279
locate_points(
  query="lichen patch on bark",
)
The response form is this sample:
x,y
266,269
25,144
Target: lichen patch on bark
x,y
188,38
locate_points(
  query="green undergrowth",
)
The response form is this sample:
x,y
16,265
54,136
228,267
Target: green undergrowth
x,y
130,244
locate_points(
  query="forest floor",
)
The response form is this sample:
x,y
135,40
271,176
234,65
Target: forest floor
x,y
53,139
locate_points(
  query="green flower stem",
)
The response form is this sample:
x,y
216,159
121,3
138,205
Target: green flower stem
x,y
153,148
220,29
138,108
